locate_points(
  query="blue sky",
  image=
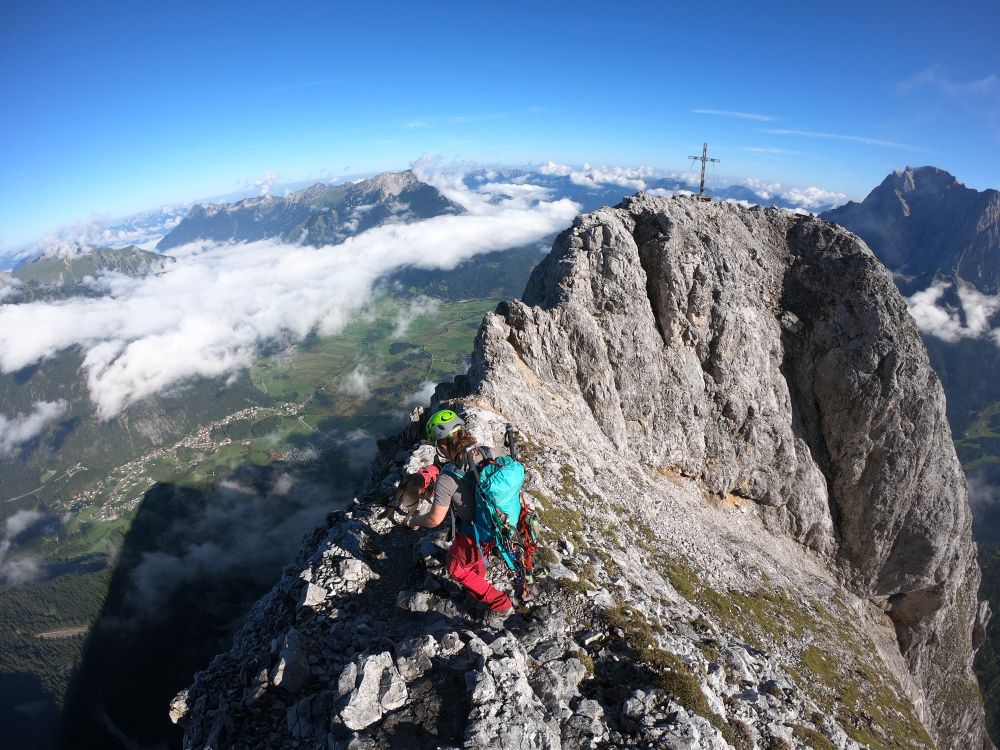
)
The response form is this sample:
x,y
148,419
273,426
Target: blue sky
x,y
112,108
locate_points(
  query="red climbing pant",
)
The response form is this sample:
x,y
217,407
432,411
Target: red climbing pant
x,y
467,567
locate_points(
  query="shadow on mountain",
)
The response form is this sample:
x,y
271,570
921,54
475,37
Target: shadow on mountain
x,y
88,564
28,715
62,431
191,565
23,375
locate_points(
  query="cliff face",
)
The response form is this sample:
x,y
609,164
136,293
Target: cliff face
x,y
730,422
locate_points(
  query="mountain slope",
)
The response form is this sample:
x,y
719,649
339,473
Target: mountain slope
x,y
318,215
763,537
922,221
49,270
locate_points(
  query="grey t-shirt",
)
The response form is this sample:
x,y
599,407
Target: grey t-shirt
x,y
459,494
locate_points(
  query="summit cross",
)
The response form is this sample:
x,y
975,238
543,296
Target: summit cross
x,y
704,160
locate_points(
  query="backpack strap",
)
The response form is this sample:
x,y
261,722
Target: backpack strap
x,y
453,471
458,475
487,455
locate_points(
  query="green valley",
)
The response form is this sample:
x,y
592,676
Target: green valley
x,y
321,404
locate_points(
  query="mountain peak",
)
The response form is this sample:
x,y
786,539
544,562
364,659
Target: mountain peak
x,y
920,178
317,215
387,184
921,221
693,453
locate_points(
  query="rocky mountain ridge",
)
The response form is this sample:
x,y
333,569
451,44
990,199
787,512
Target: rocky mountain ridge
x,y
317,215
757,527
923,222
68,270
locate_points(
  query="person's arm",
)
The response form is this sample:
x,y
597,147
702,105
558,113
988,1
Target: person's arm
x,y
444,488
431,518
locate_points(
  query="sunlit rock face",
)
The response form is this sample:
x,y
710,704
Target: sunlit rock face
x,y
756,525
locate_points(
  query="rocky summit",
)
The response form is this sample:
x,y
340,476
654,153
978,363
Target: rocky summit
x,y
755,525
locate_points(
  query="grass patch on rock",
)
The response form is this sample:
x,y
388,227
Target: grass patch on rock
x,y
673,675
838,669
811,738
867,703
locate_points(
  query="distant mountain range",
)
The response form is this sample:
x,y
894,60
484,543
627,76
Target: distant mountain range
x,y
318,215
328,214
595,187
54,270
922,223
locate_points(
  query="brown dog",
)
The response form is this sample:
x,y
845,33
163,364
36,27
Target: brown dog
x,y
406,498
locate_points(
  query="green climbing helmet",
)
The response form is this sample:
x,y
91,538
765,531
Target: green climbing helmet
x,y
442,423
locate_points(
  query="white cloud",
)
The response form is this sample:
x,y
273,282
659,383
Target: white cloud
x,y
669,193
352,223
9,286
766,190
813,198
206,314
19,429
15,570
983,495
408,313
21,522
739,115
84,235
421,396
558,170
773,150
237,533
936,79
946,322
627,177
264,184
357,383
500,190
622,176
594,176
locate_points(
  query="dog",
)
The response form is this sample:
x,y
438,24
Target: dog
x,y
411,490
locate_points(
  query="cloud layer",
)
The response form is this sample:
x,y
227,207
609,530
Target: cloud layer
x,y
9,286
207,314
633,178
948,322
19,429
83,236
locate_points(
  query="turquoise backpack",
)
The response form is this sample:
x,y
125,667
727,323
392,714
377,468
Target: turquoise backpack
x,y
498,502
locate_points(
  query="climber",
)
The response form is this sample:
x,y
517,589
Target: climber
x,y
456,489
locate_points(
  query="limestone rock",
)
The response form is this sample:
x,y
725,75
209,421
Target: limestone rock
x,y
729,416
312,595
292,670
379,688
771,357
